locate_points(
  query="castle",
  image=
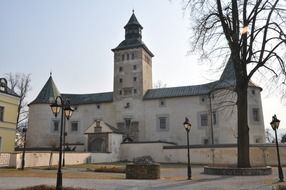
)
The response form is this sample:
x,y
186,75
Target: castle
x,y
134,111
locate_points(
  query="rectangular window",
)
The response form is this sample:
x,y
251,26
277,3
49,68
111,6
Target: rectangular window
x,y
56,126
1,113
74,126
127,91
120,80
204,119
134,79
120,69
134,67
205,141
163,122
214,118
255,114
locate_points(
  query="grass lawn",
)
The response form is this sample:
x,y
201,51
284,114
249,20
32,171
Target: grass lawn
x,y
114,170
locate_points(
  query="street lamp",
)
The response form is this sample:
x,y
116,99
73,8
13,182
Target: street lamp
x,y
275,124
64,106
24,148
188,126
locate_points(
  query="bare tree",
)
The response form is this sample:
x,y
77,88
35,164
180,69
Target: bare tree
x,y
269,136
20,83
159,84
251,33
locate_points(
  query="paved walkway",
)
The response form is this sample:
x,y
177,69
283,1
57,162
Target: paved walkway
x,y
170,179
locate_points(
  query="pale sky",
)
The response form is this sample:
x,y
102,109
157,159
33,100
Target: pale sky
x,y
73,40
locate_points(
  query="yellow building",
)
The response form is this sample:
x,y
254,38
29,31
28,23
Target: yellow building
x,y
9,102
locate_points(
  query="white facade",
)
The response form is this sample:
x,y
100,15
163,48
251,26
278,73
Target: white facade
x,y
145,114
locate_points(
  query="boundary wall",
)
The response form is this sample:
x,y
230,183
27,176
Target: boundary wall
x,y
163,152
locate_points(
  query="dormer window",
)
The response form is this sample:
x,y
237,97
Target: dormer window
x,y
3,85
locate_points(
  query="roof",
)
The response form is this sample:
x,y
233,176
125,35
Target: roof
x,y
133,21
5,89
130,43
10,92
133,43
227,80
48,93
105,128
77,99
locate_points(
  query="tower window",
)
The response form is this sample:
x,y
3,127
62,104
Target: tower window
x,y
134,79
134,67
1,113
127,91
255,114
120,92
120,80
120,69
98,106
135,91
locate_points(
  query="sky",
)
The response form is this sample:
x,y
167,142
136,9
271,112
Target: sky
x,y
73,40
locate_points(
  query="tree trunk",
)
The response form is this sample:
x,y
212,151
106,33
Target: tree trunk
x,y
243,160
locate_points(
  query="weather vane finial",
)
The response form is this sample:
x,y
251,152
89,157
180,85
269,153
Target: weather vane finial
x,y
51,73
133,11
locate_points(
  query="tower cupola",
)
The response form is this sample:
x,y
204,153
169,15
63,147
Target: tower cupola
x,y
133,29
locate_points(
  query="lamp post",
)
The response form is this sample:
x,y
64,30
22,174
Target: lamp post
x,y
275,124
24,148
64,106
64,143
188,126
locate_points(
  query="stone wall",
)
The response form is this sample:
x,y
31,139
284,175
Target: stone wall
x,y
162,152
260,155
7,159
35,159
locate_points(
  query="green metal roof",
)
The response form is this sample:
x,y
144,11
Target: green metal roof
x,y
48,93
77,99
227,80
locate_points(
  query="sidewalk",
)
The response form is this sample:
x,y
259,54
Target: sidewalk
x,y
171,178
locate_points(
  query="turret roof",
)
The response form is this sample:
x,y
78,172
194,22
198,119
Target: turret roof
x,y
48,93
133,21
